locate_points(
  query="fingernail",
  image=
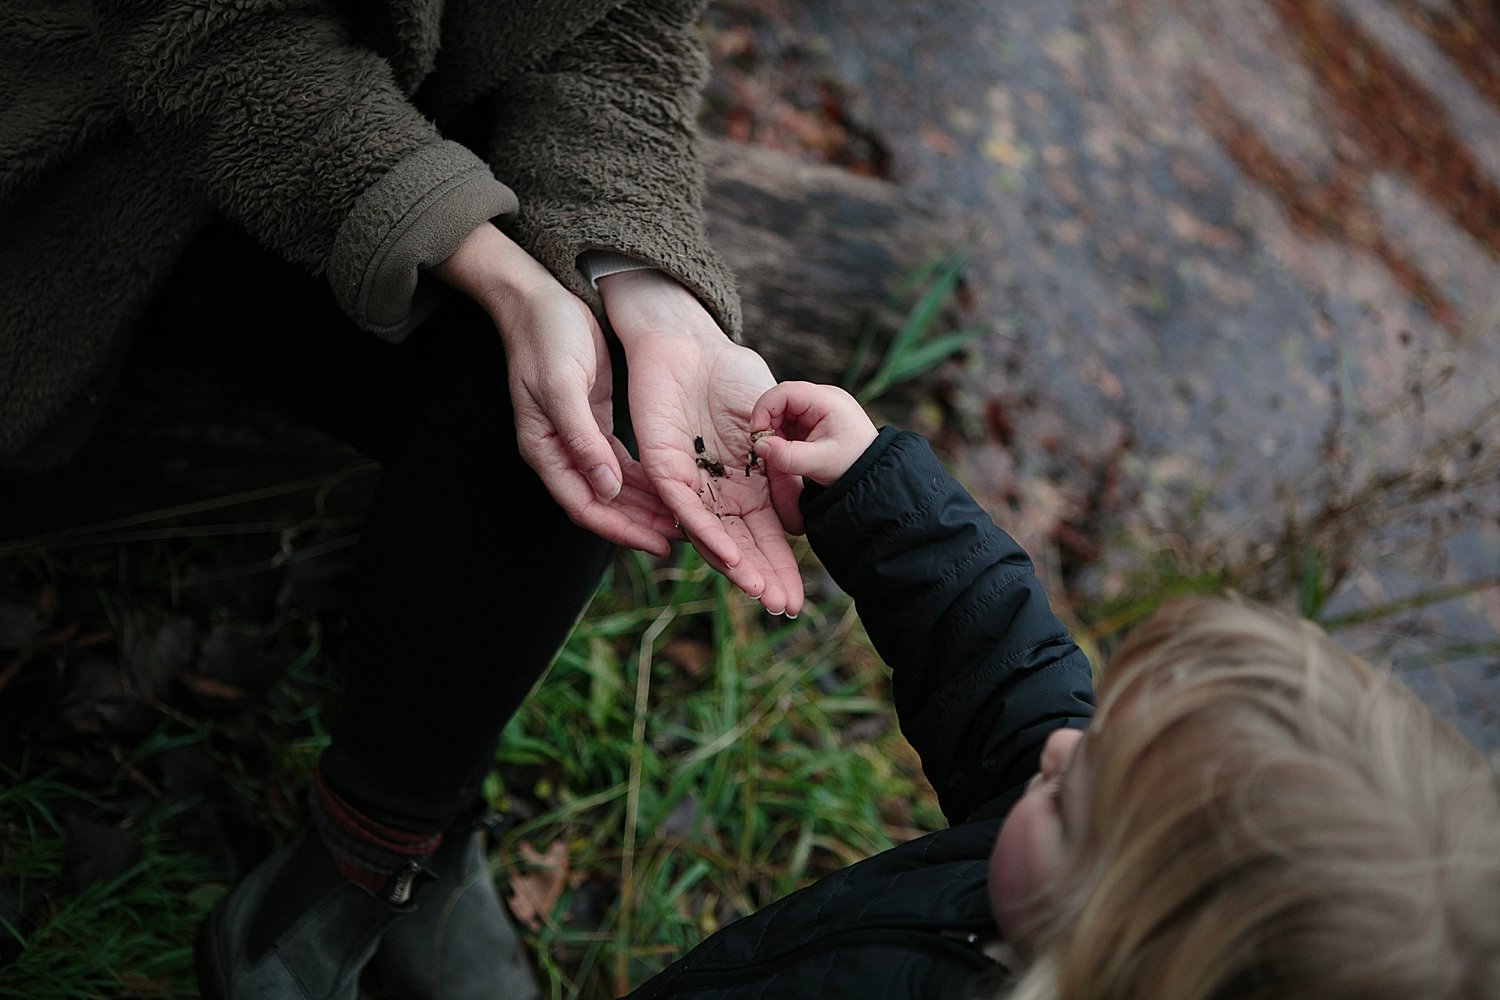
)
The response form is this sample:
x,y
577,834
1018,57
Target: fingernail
x,y
605,483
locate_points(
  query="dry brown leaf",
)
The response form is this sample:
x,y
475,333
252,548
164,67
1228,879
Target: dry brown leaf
x,y
688,655
533,894
937,140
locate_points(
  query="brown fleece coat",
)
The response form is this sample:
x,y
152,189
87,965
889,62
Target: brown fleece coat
x,y
327,130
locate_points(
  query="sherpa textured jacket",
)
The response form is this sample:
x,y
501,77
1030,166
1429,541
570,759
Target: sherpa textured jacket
x,y
360,140
982,673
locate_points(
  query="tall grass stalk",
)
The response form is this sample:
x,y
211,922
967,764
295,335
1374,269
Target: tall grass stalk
x,y
917,346
705,761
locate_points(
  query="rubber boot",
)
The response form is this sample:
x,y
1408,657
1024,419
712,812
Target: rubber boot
x,y
461,943
324,944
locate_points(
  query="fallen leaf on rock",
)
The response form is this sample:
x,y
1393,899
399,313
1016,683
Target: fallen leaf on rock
x,y
688,655
534,893
938,141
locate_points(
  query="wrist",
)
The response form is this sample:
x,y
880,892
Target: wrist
x,y
651,303
493,270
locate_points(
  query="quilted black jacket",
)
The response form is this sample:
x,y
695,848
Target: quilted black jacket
x,y
983,672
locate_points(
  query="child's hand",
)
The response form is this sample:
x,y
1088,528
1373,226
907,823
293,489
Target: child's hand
x,y
818,431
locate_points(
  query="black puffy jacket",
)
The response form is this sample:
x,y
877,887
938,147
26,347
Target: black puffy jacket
x,y
983,672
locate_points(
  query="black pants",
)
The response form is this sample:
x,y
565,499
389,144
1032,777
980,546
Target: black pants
x,y
469,576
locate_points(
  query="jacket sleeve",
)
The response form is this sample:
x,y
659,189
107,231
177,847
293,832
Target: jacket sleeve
x,y
292,128
599,142
982,669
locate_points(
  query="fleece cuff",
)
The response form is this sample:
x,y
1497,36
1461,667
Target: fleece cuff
x,y
409,220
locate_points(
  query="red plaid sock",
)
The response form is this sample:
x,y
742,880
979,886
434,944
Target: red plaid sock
x,y
371,854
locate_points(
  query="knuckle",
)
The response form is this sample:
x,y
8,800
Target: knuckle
x,y
580,442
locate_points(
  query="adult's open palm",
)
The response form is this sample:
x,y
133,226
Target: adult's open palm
x,y
691,400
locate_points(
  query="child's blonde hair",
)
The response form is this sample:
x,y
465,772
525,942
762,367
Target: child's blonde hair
x,y
1268,816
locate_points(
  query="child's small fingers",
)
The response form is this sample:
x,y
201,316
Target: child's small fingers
x,y
788,399
771,406
760,417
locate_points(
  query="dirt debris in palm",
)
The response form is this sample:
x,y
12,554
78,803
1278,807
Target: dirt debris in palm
x,y
708,463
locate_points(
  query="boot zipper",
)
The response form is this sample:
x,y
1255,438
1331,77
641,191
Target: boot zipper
x,y
401,888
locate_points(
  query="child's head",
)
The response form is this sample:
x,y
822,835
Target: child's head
x,y
1255,813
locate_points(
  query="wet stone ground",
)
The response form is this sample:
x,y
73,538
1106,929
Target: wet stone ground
x,y
1239,264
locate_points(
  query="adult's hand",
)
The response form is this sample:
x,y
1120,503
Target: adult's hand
x,y
561,392
692,391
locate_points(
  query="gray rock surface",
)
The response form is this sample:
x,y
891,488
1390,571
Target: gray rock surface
x,y
1241,267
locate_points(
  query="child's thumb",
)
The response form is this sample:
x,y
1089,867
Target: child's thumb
x,y
809,459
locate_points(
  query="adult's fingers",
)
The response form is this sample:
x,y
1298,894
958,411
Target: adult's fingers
x,y
625,521
639,495
780,564
709,537
578,435
614,525
634,517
